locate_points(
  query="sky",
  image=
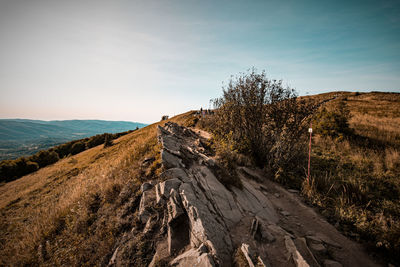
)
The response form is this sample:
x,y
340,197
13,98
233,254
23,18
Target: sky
x,y
139,60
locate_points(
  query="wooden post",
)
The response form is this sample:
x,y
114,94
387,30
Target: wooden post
x,y
309,155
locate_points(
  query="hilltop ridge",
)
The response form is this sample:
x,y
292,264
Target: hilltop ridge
x,y
193,219
100,206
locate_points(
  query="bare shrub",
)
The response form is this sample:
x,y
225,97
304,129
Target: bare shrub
x,y
262,118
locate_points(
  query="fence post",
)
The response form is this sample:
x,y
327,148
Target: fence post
x,y
309,155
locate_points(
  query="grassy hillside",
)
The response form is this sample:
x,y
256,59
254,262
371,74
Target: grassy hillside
x,y
356,180
355,166
72,212
69,213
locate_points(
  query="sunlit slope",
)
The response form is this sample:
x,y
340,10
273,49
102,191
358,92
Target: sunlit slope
x,y
50,201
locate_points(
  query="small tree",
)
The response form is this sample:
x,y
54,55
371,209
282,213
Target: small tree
x,y
45,157
78,147
108,141
262,118
333,122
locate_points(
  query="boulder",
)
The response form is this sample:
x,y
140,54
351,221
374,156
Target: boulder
x,y
161,131
147,201
311,239
301,245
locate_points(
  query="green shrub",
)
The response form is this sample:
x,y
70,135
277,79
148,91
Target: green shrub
x,y
95,140
78,147
13,169
108,140
333,123
45,157
64,149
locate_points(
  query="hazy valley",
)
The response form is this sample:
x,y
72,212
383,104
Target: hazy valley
x,y
21,137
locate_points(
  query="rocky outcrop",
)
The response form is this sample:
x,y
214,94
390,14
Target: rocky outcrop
x,y
210,208
201,222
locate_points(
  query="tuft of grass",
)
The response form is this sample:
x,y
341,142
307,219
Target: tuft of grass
x,y
228,160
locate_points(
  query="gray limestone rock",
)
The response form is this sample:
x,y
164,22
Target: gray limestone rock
x,y
147,201
294,253
178,225
194,257
169,160
174,208
252,201
204,226
163,189
171,143
217,194
175,173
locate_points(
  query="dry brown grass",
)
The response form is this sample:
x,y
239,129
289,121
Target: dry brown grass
x,y
66,213
356,181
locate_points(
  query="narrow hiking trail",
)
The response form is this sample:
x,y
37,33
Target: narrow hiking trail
x,y
195,220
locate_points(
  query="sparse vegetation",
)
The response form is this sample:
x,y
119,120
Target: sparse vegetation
x,y
261,118
355,164
334,122
355,180
108,140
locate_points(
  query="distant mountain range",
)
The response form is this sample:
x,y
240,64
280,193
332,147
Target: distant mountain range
x,y
20,137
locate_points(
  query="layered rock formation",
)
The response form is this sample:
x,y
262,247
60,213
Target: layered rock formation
x,y
195,220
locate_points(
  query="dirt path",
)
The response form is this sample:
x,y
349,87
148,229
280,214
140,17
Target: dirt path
x,y
303,221
317,241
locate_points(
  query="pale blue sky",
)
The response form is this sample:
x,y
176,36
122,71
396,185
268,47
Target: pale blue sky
x,y
138,60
